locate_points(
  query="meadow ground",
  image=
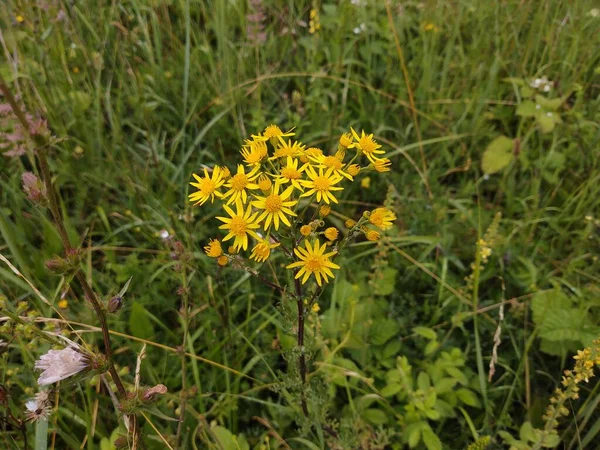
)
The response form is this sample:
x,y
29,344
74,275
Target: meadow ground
x,y
450,330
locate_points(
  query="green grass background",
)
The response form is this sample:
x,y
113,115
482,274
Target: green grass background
x,y
143,93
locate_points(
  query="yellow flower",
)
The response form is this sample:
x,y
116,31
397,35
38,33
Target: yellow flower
x,y
232,250
213,249
289,148
333,162
382,218
254,152
275,207
331,233
222,260
346,140
273,133
324,210
313,152
365,183
372,235
313,261
315,308
322,184
20,18
262,250
207,186
291,174
63,304
226,173
353,169
350,223
367,145
239,183
382,165
305,230
240,224
264,183
430,27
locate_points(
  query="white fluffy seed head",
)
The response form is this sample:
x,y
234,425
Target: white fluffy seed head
x,y
60,364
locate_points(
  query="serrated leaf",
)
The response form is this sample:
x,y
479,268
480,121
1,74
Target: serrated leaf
x,y
430,439
526,109
383,330
497,155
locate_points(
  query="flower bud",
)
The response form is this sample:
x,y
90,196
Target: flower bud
x,y
331,233
350,223
264,183
382,165
345,140
222,260
372,235
353,169
57,265
150,394
115,303
305,230
324,210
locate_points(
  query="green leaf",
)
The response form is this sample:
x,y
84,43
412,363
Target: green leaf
x,y
468,397
547,104
546,121
551,441
229,441
431,347
390,390
526,109
81,101
139,322
497,155
383,330
526,433
444,385
427,333
387,284
456,373
432,442
413,431
423,381
375,416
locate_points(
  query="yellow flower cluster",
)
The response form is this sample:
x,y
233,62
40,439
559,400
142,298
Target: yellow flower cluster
x,y
264,193
585,360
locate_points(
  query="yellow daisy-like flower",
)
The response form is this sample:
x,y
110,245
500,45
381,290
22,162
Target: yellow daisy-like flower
x,y
207,185
275,207
273,133
313,261
238,184
365,183
291,173
322,184
240,224
382,218
289,148
367,145
254,152
335,163
350,223
382,165
315,307
305,230
262,250
214,249
331,233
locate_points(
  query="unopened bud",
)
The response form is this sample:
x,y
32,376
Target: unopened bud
x,y
57,265
115,303
150,394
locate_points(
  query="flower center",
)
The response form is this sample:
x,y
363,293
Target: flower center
x,y
321,183
273,131
208,186
273,203
367,145
239,182
313,263
290,173
331,162
238,226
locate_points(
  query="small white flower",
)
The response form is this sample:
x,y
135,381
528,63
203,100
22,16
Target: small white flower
x,y
549,114
547,88
536,83
595,12
164,234
538,107
60,364
356,30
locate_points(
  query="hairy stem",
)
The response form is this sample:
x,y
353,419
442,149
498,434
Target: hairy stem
x,y
302,357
